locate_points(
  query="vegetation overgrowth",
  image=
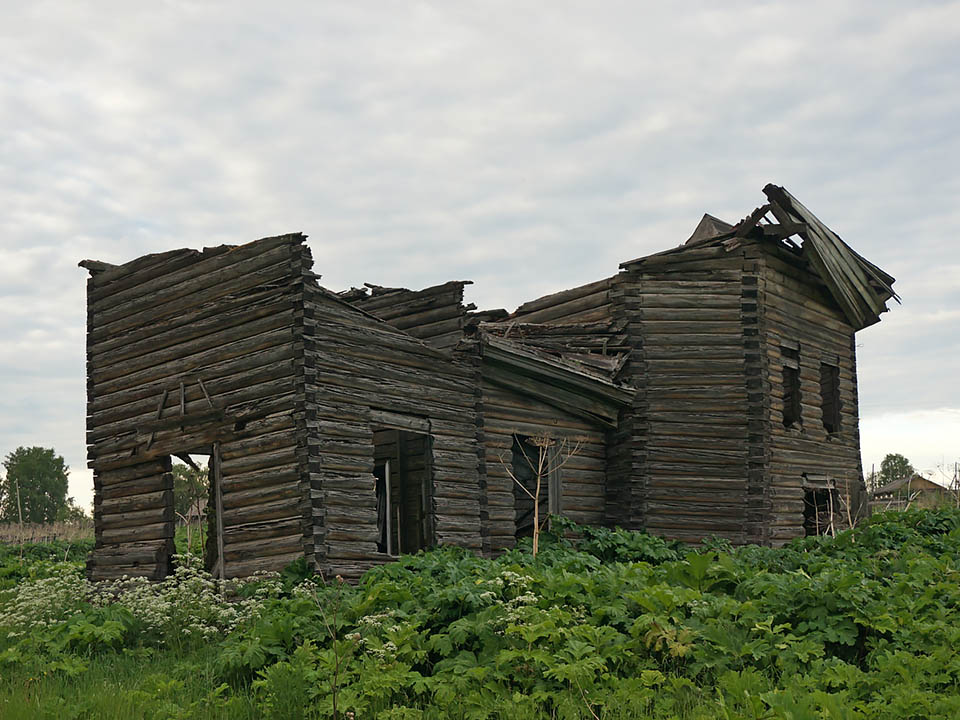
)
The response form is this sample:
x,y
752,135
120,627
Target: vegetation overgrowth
x,y
613,625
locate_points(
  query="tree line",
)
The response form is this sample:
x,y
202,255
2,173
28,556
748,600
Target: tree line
x,y
34,488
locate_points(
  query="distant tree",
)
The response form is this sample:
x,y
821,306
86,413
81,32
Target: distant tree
x,y
35,486
189,487
72,513
895,467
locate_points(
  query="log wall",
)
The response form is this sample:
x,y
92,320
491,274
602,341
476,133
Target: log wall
x,y
435,315
362,375
689,451
507,413
237,351
797,311
188,351
597,318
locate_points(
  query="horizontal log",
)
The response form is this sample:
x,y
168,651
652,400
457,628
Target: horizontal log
x,y
568,308
261,532
133,472
136,518
153,531
132,502
564,296
276,510
350,532
262,548
271,460
272,563
259,451
151,485
353,550
678,300
129,554
256,497
727,314
151,571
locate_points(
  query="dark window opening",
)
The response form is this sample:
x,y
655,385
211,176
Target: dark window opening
x,y
830,396
791,386
820,508
533,459
404,480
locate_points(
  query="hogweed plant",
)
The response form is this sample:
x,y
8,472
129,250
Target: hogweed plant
x,y
185,609
548,456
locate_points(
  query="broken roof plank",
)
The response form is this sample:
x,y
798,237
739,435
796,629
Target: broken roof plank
x,y
840,267
588,383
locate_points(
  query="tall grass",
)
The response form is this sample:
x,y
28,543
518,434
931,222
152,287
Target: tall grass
x,y
15,534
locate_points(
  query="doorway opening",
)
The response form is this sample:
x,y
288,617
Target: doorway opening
x,y
191,494
197,500
404,490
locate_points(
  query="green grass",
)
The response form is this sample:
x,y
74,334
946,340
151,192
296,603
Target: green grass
x,y
614,625
127,685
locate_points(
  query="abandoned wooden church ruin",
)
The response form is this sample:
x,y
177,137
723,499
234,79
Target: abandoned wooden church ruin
x,y
710,389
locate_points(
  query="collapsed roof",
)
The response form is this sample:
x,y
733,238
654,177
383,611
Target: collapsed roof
x,y
859,287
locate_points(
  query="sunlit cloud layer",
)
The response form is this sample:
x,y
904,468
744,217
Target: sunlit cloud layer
x,y
525,146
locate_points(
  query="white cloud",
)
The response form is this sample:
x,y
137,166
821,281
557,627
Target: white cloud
x,y
526,146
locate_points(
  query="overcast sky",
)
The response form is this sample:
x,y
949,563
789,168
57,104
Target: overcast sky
x,y
525,146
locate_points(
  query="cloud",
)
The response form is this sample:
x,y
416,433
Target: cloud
x,y
526,146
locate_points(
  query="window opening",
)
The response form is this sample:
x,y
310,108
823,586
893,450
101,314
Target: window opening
x,y
791,385
529,460
821,505
819,508
830,396
403,472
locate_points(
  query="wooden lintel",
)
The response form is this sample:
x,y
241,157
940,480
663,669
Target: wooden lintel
x,y
180,421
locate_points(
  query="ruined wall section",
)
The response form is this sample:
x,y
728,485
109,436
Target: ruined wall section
x,y
436,315
689,443
800,315
362,375
187,352
582,452
593,318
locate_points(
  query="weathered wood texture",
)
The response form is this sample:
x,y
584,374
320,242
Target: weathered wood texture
x,y
240,347
689,430
806,452
435,314
671,373
581,445
186,349
597,318
362,375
